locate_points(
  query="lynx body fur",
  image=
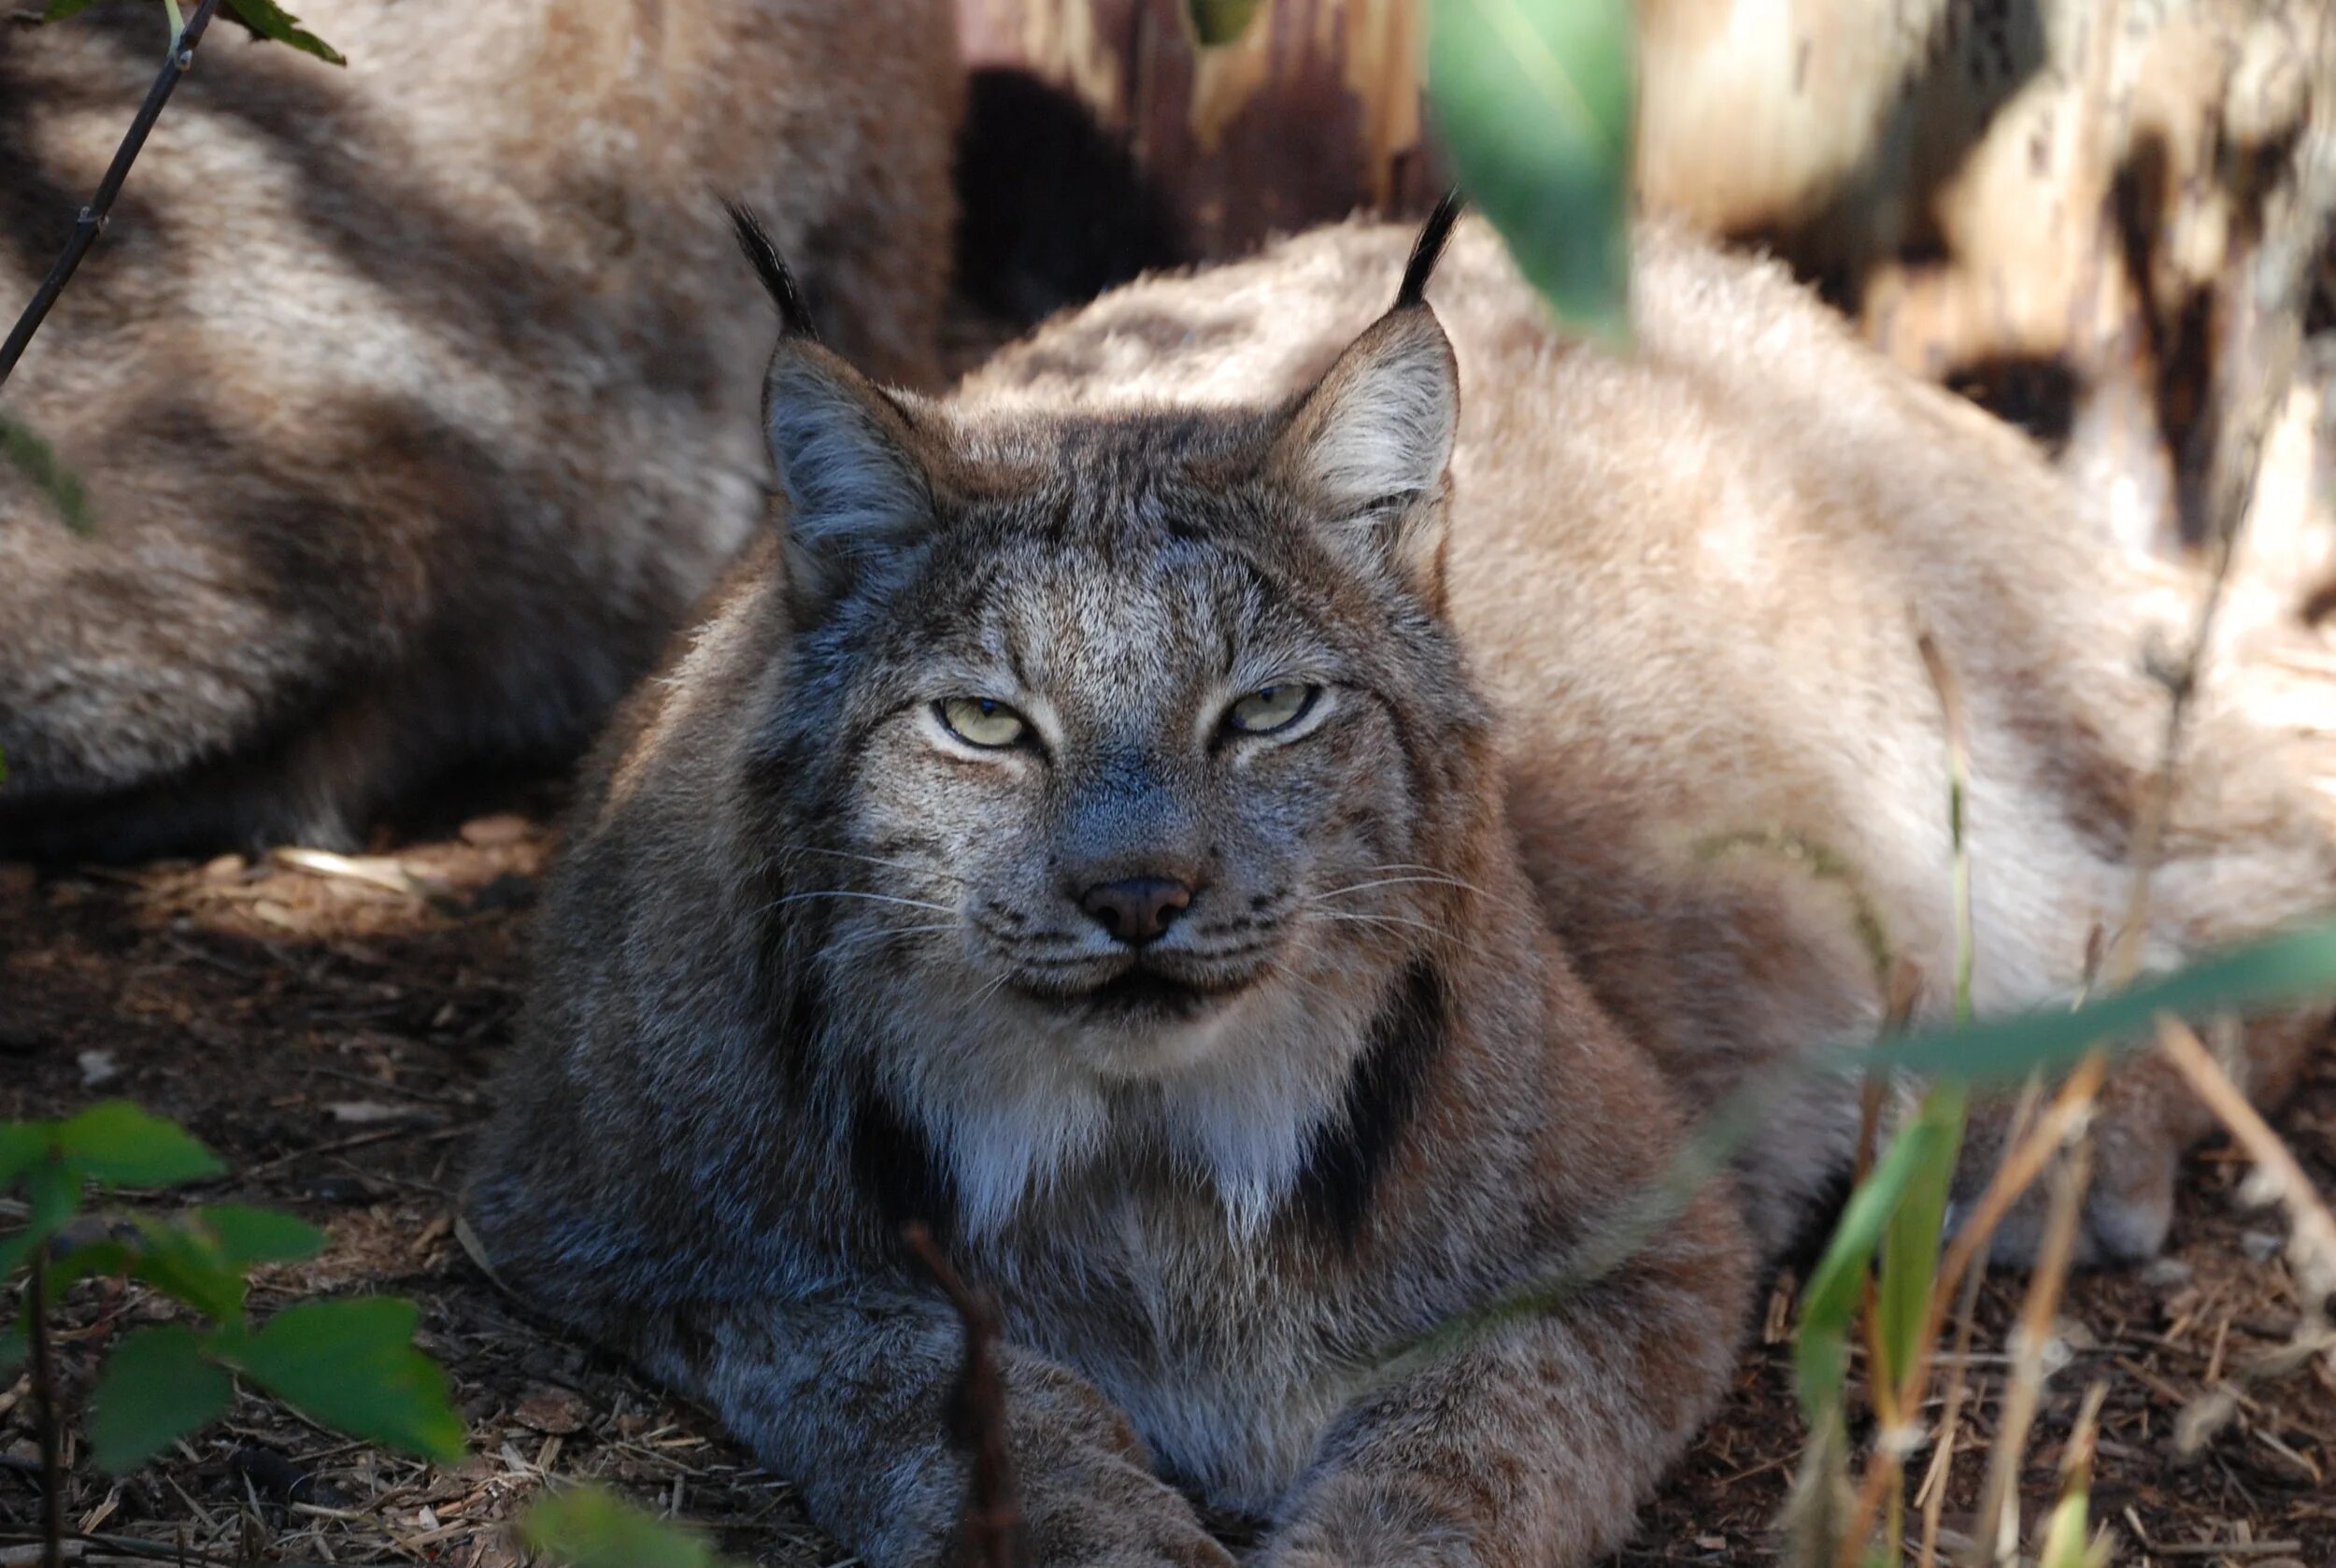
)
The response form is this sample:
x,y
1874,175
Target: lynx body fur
x,y
944,875
414,399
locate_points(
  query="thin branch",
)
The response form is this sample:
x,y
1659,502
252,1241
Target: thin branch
x,y
92,216
992,1534
51,1420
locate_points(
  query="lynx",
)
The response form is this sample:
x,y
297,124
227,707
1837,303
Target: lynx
x,y
415,398
1210,821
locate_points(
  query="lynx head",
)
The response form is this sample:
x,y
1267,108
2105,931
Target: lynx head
x,y
1123,757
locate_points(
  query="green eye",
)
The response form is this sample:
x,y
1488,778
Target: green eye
x,y
1270,708
980,722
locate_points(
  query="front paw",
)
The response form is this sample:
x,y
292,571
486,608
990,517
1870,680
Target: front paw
x,y
1351,1522
1114,1513
2127,1208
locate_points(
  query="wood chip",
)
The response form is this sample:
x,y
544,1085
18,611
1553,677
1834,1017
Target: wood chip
x,y
375,871
554,1412
496,832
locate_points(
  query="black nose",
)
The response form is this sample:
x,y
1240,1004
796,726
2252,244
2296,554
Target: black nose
x,y
1136,910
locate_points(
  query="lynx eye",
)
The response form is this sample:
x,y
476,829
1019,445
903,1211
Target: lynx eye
x,y
1270,708
980,721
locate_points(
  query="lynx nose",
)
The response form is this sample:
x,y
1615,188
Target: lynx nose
x,y
1136,910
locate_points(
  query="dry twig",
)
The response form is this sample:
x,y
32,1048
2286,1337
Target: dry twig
x,y
992,1534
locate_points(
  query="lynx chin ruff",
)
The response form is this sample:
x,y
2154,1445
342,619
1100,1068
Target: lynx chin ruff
x,y
414,398
1077,826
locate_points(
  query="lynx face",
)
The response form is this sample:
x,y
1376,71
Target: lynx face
x,y
1108,757
1128,757
1124,755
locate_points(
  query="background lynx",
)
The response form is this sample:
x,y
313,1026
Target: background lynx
x,y
416,399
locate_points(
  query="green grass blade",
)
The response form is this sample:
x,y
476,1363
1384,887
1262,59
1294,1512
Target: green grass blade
x,y
1909,1243
2294,966
1829,1304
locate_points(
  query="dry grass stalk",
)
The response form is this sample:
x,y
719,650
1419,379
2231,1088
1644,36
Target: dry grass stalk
x,y
1931,1497
2276,1178
1999,1508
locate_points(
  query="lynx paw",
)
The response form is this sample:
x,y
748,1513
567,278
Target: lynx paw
x,y
1113,1513
2128,1210
1354,1523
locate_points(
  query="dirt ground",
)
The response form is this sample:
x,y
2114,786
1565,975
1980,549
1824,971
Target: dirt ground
x,y
328,1031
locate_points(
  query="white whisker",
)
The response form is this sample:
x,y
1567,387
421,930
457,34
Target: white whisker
x,y
874,860
873,898
1378,919
1390,882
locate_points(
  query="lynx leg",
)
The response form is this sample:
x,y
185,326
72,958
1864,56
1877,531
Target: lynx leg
x,y
1533,1445
849,1399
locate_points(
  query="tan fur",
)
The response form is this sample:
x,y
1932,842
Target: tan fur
x,y
816,962
1694,579
415,399
815,965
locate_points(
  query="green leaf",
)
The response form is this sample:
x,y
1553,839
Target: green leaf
x,y
353,1365
1220,21
2296,966
247,1235
22,1144
13,1348
587,1528
24,450
1820,1354
267,19
97,1257
262,18
1534,100
188,1267
54,1191
118,1145
156,1387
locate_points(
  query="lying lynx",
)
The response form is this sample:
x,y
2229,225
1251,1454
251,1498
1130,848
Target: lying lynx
x,y
415,398
1076,827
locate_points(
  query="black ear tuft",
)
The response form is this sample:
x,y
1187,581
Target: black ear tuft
x,y
1427,250
753,239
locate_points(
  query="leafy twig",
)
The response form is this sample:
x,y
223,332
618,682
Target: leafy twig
x,y
92,216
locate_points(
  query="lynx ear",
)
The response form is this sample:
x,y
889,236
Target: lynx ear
x,y
846,455
845,450
1369,444
1367,447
